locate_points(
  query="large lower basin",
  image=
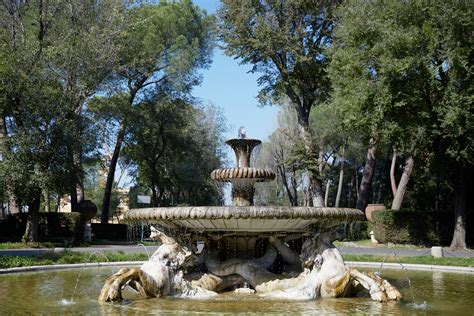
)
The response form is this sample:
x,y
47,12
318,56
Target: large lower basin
x,y
245,218
49,293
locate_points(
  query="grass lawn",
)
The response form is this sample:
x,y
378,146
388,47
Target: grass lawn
x,y
82,257
462,262
21,245
68,257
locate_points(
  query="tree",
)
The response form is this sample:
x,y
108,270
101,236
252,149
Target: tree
x,y
56,54
280,153
175,147
285,41
406,77
164,44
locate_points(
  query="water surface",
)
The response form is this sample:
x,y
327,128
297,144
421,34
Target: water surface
x,y
435,293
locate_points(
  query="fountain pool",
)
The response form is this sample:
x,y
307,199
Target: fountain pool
x,y
50,292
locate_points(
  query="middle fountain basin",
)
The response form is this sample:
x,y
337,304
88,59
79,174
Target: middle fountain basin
x,y
246,219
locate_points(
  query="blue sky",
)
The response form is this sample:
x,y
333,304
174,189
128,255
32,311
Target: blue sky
x,y
229,86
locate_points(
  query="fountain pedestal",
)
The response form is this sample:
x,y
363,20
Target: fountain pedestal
x,y
243,177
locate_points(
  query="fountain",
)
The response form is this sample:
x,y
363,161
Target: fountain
x,y
282,252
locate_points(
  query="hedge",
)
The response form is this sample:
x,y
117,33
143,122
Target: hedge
x,y
109,231
416,227
50,226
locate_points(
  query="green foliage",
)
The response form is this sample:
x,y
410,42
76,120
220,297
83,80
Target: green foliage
x,y
283,40
282,154
50,226
175,146
357,231
56,56
413,227
163,43
405,76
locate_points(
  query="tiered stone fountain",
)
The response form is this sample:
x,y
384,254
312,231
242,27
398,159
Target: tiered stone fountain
x,y
243,177
270,251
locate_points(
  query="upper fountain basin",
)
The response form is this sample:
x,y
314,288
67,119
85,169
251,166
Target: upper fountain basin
x,y
246,219
236,142
227,174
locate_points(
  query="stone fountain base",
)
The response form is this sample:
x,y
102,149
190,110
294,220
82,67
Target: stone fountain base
x,y
289,266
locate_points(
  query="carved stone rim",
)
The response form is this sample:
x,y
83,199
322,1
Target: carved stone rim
x,y
227,174
244,212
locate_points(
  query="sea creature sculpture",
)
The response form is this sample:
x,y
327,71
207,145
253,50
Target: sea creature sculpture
x,y
324,273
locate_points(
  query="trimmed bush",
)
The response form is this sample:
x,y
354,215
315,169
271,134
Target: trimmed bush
x,y
109,231
50,226
415,227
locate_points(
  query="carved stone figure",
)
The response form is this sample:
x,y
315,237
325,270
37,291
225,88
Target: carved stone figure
x,y
324,273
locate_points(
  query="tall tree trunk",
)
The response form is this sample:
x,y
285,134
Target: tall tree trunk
x,y
366,182
349,194
31,232
294,186
289,191
460,206
321,160
13,207
402,185
72,180
104,217
356,173
47,201
339,185
58,203
341,178
80,178
313,183
154,195
73,194
326,193
307,197
3,138
393,182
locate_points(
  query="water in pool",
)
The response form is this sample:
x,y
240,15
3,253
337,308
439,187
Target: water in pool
x,y
435,293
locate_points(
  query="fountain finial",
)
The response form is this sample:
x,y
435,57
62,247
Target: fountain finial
x,y
242,133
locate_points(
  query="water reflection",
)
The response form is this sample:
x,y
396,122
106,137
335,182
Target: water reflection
x,y
49,293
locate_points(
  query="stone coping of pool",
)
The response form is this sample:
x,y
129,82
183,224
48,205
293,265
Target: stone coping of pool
x,y
410,266
246,219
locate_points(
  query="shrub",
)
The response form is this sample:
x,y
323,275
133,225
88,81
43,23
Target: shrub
x,y
414,227
109,231
50,226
